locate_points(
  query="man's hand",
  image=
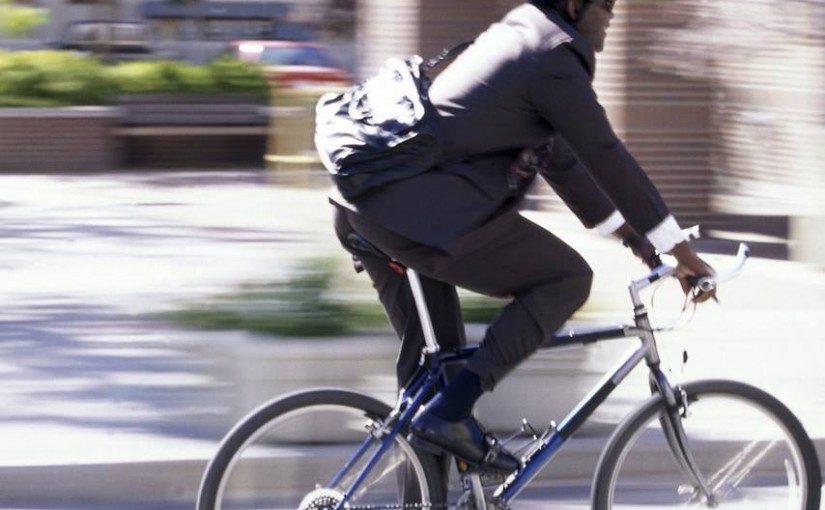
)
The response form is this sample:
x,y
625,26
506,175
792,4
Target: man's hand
x,y
642,248
689,264
639,245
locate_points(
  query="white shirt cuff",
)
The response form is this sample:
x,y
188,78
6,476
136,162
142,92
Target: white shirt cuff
x,y
666,235
610,225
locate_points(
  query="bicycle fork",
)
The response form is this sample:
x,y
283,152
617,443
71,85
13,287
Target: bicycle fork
x,y
676,407
675,402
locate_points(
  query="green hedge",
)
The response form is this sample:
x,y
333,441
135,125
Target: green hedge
x,y
61,78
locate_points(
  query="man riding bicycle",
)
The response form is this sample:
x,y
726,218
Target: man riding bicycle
x,y
517,102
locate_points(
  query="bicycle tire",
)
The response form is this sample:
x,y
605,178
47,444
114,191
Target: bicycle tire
x,y
256,445
637,468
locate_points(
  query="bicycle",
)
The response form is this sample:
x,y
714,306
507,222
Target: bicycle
x,y
701,444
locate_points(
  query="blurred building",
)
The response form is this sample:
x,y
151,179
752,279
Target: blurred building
x,y
390,28
193,30
213,20
176,19
748,74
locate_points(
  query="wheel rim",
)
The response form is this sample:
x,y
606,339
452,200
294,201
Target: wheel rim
x,y
301,451
747,456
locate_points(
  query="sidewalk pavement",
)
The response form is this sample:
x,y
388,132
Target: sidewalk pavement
x,y
105,408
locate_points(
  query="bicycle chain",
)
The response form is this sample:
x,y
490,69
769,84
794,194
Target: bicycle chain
x,y
395,506
494,504
399,506
329,503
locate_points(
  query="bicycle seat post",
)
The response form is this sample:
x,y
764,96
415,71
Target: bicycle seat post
x,y
423,312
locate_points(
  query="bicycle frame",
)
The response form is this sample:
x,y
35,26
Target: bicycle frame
x,y
431,375
542,450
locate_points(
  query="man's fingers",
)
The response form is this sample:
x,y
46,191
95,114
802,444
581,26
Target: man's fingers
x,y
701,297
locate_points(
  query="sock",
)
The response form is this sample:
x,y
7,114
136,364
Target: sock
x,y
456,400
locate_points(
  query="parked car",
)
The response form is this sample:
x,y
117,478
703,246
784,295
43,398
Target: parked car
x,y
111,39
292,63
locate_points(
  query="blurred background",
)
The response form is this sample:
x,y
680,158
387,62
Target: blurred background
x,y
168,261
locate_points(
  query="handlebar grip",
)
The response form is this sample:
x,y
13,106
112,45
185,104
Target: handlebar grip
x,y
705,283
708,283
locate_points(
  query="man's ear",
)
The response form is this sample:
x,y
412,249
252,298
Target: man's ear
x,y
573,9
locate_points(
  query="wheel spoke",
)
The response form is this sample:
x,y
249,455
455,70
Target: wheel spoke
x,y
283,456
731,475
753,451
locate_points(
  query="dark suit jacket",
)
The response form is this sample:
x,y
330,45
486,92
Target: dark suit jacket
x,y
525,80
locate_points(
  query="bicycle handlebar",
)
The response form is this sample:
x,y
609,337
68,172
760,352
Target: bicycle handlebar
x,y
706,283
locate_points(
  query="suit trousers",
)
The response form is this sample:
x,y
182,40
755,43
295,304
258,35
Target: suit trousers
x,y
545,280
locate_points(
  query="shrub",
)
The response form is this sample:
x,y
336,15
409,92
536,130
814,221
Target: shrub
x,y
232,74
20,20
51,78
137,78
299,307
220,76
61,78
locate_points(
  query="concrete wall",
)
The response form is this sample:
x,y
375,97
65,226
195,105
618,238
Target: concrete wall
x,y
101,139
57,139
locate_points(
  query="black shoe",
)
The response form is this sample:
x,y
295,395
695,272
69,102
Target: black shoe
x,y
465,439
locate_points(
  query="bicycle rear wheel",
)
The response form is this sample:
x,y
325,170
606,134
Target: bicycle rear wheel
x,y
287,454
751,450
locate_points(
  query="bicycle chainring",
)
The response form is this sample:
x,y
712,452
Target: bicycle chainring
x,y
322,499
468,502
329,499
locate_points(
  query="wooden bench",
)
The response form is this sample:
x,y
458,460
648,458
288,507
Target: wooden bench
x,y
192,130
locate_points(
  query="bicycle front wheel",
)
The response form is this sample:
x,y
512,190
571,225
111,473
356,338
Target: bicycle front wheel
x,y
291,453
752,453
